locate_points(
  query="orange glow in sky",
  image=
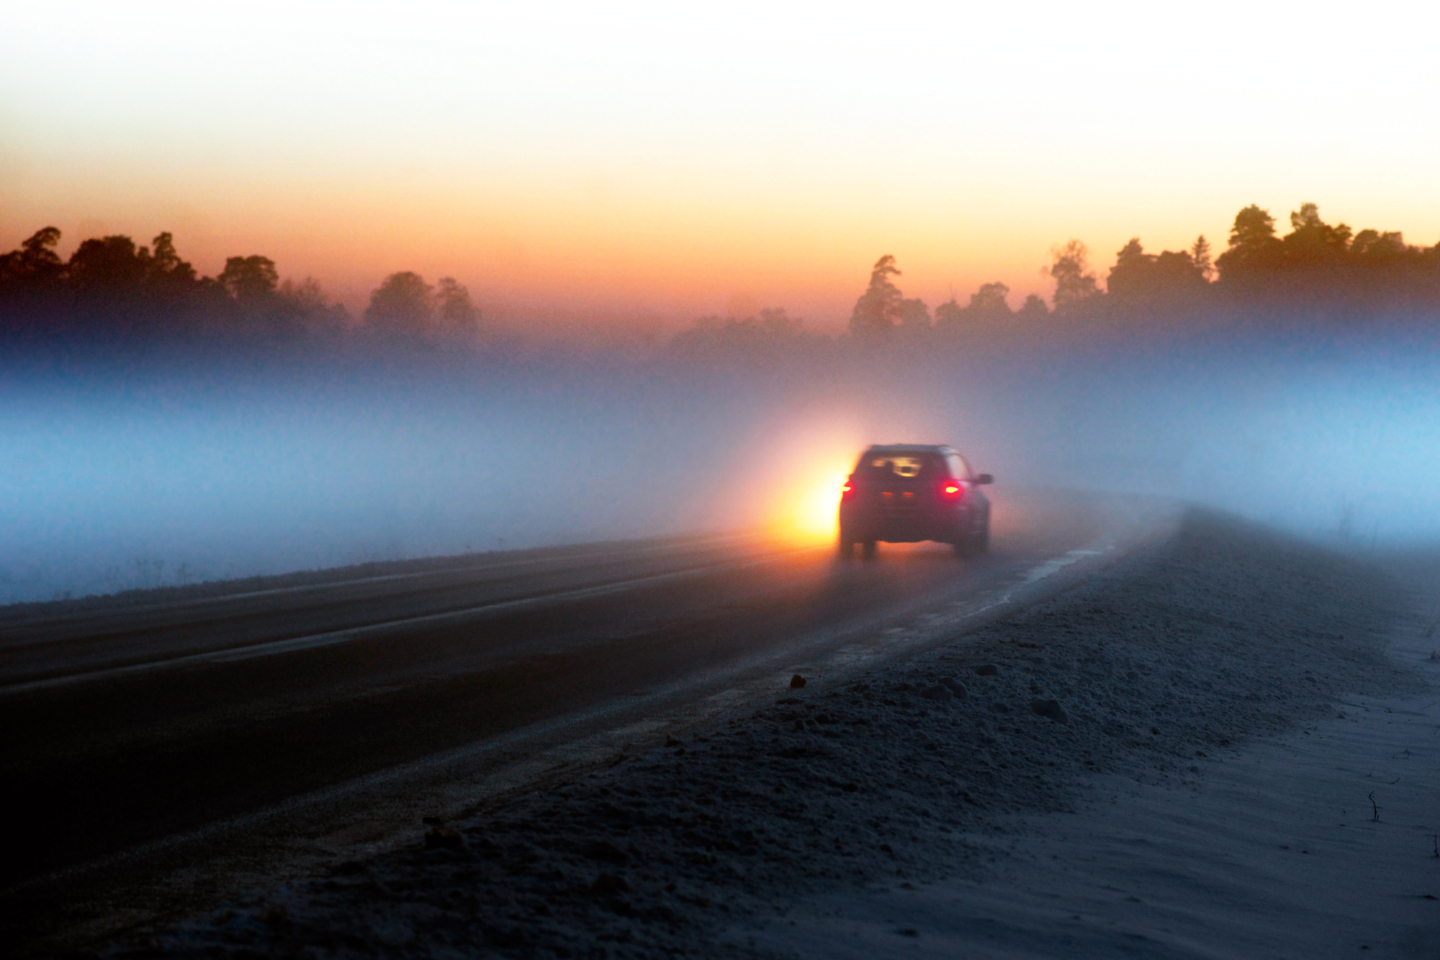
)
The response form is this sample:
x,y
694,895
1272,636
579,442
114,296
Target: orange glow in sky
x,y
663,160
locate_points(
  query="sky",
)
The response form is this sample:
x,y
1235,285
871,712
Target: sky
x,y
639,160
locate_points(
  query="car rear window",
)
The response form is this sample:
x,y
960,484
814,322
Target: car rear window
x,y
905,466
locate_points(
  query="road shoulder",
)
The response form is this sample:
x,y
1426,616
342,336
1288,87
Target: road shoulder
x,y
843,794
1272,849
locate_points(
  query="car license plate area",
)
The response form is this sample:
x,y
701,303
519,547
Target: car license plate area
x,y
898,501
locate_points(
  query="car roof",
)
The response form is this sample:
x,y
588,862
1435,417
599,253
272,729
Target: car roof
x,y
909,448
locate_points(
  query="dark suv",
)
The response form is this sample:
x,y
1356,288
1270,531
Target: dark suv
x,y
905,493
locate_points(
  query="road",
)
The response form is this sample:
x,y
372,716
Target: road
x,y
130,723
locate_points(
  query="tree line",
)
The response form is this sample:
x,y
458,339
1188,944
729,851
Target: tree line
x,y
111,288
1315,268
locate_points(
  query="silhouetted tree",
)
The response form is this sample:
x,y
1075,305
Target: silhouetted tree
x,y
164,266
306,301
250,279
1373,248
108,265
1131,265
457,314
987,307
1073,282
35,265
949,315
1175,271
1312,242
878,308
1140,274
1253,228
990,299
1253,245
1200,257
1033,308
914,315
106,280
305,295
402,304
32,286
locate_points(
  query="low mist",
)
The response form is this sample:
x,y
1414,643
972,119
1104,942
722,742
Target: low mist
x,y
160,427
162,473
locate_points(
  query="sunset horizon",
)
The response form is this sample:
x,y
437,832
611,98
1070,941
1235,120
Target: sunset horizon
x,y
664,166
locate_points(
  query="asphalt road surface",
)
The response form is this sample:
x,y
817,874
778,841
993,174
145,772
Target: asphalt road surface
x,y
130,722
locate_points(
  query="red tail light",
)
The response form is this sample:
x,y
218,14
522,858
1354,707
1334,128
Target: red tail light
x,y
951,490
847,490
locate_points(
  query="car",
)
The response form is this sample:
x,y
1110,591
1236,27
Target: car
x,y
907,493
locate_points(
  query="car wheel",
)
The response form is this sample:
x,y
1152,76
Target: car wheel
x,y
982,539
846,549
961,548
868,549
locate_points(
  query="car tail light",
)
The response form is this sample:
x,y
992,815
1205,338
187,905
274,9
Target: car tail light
x,y
847,490
951,490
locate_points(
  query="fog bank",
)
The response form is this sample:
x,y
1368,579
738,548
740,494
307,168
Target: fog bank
x,y
168,472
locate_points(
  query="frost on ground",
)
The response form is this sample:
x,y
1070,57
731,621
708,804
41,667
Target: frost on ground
x,y
901,775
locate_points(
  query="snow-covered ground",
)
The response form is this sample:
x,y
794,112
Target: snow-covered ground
x,y
1156,763
1271,850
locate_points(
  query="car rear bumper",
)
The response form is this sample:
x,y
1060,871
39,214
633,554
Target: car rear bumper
x,y
860,527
